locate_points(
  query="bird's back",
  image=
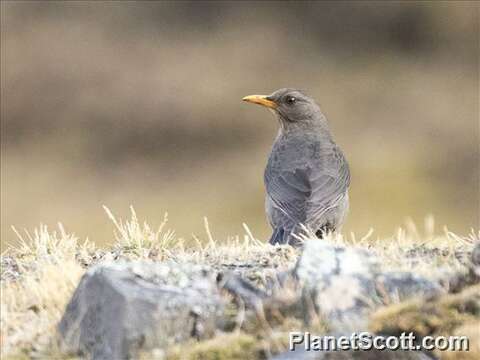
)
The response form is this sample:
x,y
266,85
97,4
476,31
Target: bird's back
x,y
306,179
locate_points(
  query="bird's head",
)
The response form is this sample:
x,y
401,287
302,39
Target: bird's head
x,y
292,107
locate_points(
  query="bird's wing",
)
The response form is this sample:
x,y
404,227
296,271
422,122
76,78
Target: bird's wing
x,y
304,193
329,182
289,191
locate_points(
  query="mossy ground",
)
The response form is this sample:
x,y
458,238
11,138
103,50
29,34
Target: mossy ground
x,y
453,314
235,346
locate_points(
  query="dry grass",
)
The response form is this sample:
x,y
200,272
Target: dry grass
x,y
40,273
46,272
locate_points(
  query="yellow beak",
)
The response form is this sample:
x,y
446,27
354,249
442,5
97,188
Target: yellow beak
x,y
260,100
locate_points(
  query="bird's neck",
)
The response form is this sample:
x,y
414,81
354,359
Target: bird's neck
x,y
318,125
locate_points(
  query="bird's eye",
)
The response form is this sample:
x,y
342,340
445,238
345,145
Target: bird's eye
x,y
290,100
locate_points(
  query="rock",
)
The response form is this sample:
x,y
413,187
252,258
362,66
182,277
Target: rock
x,y
464,277
240,288
122,308
320,260
119,308
346,284
338,281
398,286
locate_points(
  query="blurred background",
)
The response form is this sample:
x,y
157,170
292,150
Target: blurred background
x,y
139,103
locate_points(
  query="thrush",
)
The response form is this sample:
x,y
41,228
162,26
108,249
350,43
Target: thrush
x,y
307,176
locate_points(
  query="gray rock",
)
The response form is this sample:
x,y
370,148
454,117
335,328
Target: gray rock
x,y
240,288
398,286
119,308
460,279
338,281
346,284
321,260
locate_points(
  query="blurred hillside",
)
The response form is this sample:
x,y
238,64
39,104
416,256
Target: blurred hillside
x,y
139,103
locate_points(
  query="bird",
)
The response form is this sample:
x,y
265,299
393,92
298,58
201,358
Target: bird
x,y
307,176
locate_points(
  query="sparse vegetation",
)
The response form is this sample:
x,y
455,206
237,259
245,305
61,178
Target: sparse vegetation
x,y
457,314
40,273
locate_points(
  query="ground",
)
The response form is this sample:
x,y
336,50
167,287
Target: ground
x,y
40,273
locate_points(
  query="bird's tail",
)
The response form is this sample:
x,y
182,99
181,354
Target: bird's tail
x,y
282,237
278,236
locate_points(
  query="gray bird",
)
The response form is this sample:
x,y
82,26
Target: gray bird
x,y
307,176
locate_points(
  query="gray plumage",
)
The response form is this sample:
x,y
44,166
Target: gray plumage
x,y
307,176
